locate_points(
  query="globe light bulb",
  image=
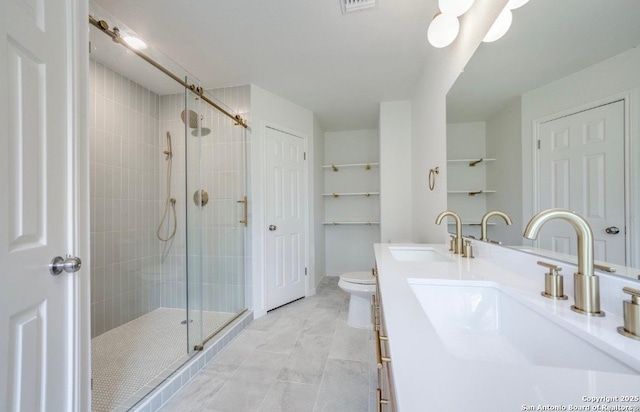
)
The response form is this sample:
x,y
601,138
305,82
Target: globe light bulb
x,y
443,30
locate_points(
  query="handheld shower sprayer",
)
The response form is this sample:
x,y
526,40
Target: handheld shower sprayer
x,y
169,151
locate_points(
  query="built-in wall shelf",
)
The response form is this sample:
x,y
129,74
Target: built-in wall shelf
x,y
365,194
470,192
339,223
336,168
471,162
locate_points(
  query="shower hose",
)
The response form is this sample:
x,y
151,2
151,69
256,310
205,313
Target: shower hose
x,y
170,203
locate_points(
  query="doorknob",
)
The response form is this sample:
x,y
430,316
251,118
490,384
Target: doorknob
x,y
272,228
70,265
612,230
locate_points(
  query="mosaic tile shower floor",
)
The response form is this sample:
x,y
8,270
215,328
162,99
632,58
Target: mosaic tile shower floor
x,y
125,359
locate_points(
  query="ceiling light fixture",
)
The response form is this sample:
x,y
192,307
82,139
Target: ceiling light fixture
x,y
135,42
443,30
455,7
514,4
500,26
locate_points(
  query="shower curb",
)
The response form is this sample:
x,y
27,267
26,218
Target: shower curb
x,y
152,397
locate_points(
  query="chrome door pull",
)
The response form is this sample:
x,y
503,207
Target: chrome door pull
x,y
70,265
612,230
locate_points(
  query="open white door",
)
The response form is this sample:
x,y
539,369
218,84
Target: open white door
x,y
286,214
41,118
581,161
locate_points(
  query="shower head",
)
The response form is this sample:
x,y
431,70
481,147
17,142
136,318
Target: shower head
x,y
193,118
190,118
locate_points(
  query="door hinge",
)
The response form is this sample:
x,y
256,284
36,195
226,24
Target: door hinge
x,y
91,383
538,144
305,155
305,271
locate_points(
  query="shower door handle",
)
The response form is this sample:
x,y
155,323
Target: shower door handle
x,y
71,264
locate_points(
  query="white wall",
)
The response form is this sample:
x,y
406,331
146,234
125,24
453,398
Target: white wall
x,y
350,247
267,109
125,192
395,171
613,77
320,269
428,116
503,144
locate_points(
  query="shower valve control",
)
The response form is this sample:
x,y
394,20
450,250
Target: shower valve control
x,y
272,228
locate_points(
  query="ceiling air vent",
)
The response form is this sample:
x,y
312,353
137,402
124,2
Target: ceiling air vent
x,y
356,5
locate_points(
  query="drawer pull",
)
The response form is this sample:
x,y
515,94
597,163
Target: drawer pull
x,y
374,318
380,400
379,356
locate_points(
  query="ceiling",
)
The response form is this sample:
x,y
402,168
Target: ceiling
x,y
338,66
548,40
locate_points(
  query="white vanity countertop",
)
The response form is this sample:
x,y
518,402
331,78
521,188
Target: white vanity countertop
x,y
428,377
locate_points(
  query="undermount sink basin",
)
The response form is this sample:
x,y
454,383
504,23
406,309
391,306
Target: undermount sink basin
x,y
417,254
484,323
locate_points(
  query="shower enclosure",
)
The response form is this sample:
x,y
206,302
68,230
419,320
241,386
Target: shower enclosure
x,y
168,216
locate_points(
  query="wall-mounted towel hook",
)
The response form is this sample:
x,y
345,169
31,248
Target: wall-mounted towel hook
x,y
432,177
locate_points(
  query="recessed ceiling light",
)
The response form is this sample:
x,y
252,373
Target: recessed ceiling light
x,y
135,42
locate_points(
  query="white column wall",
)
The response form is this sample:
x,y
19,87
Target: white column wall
x,y
428,117
395,171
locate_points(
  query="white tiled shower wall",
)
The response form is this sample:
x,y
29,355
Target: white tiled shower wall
x,y
131,275
124,199
220,155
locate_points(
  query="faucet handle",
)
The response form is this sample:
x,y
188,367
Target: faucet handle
x,y
553,269
635,294
553,282
631,309
468,250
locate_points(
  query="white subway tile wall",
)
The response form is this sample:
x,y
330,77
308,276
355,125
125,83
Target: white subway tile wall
x,y
125,199
221,159
133,272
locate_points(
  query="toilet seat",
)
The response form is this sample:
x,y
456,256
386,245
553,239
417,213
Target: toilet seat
x,y
360,278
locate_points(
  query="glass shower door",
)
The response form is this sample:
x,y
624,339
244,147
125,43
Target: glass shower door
x,y
196,198
223,169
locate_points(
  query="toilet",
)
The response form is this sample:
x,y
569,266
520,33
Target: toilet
x,y
360,285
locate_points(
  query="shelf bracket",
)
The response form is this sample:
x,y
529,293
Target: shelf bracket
x,y
335,169
367,194
475,193
475,162
336,195
367,167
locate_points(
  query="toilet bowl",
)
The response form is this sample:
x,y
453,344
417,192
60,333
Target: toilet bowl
x,y
360,285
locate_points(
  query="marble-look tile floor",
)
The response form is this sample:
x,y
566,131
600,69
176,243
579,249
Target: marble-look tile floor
x,y
300,357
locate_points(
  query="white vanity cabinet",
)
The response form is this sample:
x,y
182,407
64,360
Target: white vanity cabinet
x,y
385,395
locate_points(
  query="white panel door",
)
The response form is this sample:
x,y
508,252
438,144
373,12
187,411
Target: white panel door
x,y
37,326
582,168
286,218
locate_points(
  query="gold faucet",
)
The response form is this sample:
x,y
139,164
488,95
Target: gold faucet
x,y
457,241
586,286
485,218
